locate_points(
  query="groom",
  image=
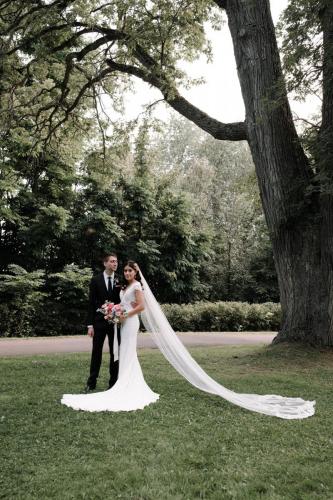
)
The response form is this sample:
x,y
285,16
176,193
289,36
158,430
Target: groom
x,y
103,286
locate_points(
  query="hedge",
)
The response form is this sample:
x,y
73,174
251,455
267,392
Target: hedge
x,y
200,316
223,316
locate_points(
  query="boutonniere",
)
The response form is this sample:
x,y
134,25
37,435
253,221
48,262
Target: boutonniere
x,y
116,282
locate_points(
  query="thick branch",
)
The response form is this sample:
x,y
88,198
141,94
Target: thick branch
x,y
69,69
221,3
150,73
15,24
223,131
89,84
47,31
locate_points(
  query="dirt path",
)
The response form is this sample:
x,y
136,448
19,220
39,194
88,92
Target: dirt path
x,y
82,343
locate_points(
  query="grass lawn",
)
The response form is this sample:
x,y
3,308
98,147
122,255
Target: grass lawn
x,y
188,445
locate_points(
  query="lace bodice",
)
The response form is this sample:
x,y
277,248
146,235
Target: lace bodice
x,y
128,295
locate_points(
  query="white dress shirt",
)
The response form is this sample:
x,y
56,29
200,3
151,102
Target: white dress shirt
x,y
106,278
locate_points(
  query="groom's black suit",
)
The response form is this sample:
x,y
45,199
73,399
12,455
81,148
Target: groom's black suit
x,y
98,294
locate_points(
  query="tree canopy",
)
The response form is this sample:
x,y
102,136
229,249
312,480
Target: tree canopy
x,y
60,56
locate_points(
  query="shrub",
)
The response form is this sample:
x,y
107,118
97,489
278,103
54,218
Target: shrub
x,y
21,300
31,304
223,316
65,307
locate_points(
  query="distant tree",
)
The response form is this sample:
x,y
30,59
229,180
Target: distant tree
x,y
219,181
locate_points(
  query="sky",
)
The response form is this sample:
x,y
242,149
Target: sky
x,y
220,95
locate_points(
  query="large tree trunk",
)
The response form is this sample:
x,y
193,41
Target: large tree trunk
x,y
299,221
325,164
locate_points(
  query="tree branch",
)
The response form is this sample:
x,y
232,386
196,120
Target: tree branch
x,y
150,72
47,31
15,24
76,101
223,131
101,7
221,3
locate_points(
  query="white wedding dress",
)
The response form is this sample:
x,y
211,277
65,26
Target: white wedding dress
x,y
130,392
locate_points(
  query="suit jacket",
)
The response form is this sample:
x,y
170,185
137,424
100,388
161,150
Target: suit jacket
x,y
98,294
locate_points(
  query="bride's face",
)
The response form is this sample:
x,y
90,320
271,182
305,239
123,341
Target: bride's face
x,y
129,273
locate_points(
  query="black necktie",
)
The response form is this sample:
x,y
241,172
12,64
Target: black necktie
x,y
109,284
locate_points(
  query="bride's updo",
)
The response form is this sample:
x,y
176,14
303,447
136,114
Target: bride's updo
x,y
133,265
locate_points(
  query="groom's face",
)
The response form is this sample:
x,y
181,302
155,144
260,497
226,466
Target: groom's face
x,y
111,264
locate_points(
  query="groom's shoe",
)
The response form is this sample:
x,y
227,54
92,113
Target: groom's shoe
x,y
88,388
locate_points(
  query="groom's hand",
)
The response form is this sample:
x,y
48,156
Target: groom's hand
x,y
91,331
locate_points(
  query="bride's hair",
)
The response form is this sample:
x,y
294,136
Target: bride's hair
x,y
133,265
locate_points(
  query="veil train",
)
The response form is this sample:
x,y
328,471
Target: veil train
x,y
175,352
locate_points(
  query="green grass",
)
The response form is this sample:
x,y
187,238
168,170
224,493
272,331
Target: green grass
x,y
188,445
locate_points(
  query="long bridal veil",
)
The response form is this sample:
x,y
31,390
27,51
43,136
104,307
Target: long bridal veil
x,y
172,348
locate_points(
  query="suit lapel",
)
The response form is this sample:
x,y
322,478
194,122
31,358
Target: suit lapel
x,y
103,285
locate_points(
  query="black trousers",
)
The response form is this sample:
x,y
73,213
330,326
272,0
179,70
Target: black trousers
x,y
97,353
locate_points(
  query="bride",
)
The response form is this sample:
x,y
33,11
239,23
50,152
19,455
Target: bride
x,y
131,391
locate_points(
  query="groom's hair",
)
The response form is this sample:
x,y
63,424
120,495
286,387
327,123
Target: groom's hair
x,y
107,255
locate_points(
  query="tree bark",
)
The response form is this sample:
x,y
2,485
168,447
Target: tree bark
x,y
298,221
325,169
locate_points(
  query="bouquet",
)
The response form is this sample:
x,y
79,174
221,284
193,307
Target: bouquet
x,y
111,311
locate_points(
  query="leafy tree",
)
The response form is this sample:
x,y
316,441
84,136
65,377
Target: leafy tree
x,y
151,223
132,38
219,181
35,209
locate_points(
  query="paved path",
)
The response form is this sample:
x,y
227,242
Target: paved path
x,y
82,343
